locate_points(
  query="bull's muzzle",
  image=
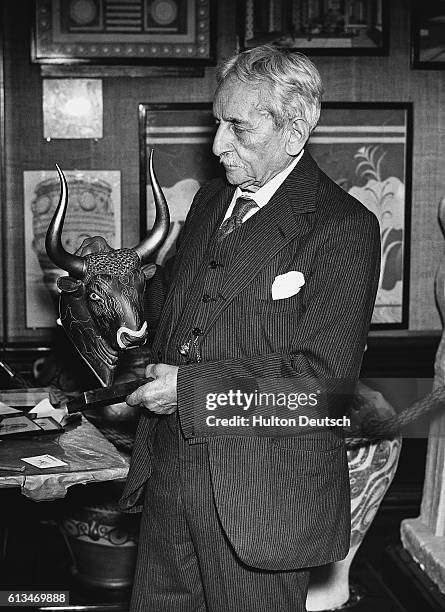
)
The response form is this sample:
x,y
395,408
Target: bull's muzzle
x,y
129,338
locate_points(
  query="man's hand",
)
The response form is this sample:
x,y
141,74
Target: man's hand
x,y
159,395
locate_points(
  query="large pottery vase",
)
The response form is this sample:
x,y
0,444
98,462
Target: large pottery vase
x,y
102,541
371,470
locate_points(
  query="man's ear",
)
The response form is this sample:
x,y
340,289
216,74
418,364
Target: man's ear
x,y
298,134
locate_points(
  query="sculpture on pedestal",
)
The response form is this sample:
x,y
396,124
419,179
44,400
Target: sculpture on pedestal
x,y
424,537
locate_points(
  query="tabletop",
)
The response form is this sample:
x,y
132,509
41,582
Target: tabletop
x,y
87,455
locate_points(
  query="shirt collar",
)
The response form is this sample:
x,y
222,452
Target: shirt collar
x,y
264,193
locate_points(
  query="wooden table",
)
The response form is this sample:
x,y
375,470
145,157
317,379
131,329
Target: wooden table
x,y
90,457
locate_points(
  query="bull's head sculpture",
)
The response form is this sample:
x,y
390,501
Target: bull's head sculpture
x,y
101,301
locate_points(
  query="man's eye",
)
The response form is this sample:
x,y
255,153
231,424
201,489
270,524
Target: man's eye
x,y
95,297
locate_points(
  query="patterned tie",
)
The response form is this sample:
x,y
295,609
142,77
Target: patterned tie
x,y
242,207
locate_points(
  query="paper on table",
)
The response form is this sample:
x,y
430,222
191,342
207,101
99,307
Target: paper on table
x,y
44,461
45,409
5,409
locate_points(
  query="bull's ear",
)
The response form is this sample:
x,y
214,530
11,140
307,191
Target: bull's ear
x,y
149,270
68,284
93,244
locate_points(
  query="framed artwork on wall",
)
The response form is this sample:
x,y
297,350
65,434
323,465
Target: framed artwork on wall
x,y
94,209
332,27
72,108
428,34
364,147
122,32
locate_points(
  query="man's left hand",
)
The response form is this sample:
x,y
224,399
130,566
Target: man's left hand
x,y
158,395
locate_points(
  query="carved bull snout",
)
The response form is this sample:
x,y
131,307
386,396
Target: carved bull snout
x,y
101,303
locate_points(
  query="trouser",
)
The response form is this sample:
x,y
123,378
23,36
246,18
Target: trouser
x,y
185,562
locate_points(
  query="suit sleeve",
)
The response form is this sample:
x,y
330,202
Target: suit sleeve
x,y
328,341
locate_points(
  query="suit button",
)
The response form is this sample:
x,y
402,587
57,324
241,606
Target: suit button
x,y
206,298
196,331
214,264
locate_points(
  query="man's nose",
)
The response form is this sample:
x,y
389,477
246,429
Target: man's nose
x,y
221,142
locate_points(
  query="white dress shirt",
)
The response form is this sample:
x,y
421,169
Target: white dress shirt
x,y
264,193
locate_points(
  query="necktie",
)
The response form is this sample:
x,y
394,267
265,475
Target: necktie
x,y
240,210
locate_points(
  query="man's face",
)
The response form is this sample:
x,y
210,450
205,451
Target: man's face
x,y
250,147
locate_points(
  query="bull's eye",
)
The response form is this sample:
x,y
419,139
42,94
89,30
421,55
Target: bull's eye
x,y
95,297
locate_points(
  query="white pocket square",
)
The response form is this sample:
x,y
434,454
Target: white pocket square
x,y
287,285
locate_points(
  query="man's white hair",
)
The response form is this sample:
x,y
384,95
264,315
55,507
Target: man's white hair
x,y
293,84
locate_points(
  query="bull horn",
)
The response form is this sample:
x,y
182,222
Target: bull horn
x,y
73,264
158,234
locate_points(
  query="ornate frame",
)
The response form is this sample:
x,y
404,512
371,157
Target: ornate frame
x,y
292,25
94,32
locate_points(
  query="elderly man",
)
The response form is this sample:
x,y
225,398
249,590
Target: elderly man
x,y
274,279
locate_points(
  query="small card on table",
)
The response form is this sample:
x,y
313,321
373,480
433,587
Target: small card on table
x,y
44,461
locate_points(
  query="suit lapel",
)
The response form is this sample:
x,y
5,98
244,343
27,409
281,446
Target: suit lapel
x,y
194,246
283,219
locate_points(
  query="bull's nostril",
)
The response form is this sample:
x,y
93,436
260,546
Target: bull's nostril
x,y
127,337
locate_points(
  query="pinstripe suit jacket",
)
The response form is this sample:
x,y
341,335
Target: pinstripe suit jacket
x,y
283,502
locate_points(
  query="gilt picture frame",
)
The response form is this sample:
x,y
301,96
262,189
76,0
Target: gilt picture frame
x,y
107,32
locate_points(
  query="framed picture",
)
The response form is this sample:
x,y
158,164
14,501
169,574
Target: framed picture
x,y
24,425
364,147
367,149
122,32
72,108
428,34
94,208
331,27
